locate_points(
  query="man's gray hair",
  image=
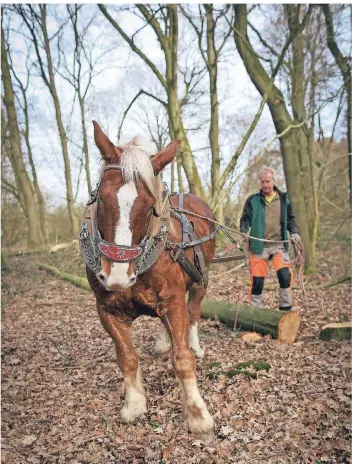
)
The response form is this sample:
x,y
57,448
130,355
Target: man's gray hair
x,y
267,169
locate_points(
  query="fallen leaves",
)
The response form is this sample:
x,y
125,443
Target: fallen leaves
x,y
61,388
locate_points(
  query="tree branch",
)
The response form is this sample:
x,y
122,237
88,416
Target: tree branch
x,y
133,46
141,92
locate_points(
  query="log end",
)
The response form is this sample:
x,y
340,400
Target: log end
x,y
251,337
337,331
288,327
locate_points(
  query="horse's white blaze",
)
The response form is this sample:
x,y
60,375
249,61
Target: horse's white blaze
x,y
194,340
135,400
123,234
198,417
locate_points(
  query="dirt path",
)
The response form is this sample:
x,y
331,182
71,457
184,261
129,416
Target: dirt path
x,y
61,388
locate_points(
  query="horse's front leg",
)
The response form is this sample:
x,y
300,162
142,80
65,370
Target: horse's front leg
x,y
195,297
120,331
176,321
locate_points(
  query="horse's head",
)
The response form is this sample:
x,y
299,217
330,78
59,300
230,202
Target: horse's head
x,y
128,195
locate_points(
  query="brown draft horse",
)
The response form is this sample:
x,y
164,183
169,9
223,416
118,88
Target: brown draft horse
x,y
129,206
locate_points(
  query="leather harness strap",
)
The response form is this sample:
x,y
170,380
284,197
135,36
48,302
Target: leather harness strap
x,y
147,252
197,271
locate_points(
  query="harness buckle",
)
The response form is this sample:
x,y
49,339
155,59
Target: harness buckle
x,y
84,231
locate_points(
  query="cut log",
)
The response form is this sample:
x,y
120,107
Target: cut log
x,y
282,325
62,246
251,337
330,283
73,279
27,252
336,281
272,288
336,331
225,259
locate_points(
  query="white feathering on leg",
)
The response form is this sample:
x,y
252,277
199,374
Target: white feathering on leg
x,y
194,341
135,400
163,342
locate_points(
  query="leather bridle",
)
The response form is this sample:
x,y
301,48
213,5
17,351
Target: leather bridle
x,y
91,242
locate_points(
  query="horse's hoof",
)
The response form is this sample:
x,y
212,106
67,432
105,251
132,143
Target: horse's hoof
x,y
199,353
132,411
206,437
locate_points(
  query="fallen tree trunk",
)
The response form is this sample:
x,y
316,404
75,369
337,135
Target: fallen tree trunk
x,y
330,283
62,246
73,279
27,252
282,325
336,281
336,331
225,259
273,288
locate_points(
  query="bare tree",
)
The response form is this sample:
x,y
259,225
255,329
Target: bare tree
x,y
23,88
294,142
211,55
36,22
16,155
164,21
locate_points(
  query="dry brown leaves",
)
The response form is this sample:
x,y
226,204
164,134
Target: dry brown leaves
x,y
61,388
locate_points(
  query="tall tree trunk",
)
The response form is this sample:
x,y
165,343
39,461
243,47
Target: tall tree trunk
x,y
37,190
212,65
60,125
85,141
298,105
345,68
283,122
34,235
174,107
6,150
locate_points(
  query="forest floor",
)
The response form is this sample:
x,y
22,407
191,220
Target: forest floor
x,y
62,390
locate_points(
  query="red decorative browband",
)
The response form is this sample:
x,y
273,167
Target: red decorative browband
x,y
119,253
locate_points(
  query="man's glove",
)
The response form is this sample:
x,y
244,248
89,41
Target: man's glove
x,y
295,238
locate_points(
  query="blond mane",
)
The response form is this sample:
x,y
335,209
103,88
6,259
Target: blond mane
x,y
136,166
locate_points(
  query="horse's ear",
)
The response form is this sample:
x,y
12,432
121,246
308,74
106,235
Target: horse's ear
x,y
165,156
107,149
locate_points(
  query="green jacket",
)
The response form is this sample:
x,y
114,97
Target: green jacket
x,y
253,217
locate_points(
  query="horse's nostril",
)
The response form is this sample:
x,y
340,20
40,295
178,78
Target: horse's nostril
x,y
133,280
102,278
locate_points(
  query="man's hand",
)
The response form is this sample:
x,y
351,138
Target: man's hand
x,y
295,238
244,238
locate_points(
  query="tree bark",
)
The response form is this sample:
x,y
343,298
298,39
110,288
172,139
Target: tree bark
x,y
25,185
6,150
282,325
282,121
50,83
37,190
85,141
345,67
60,125
212,65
